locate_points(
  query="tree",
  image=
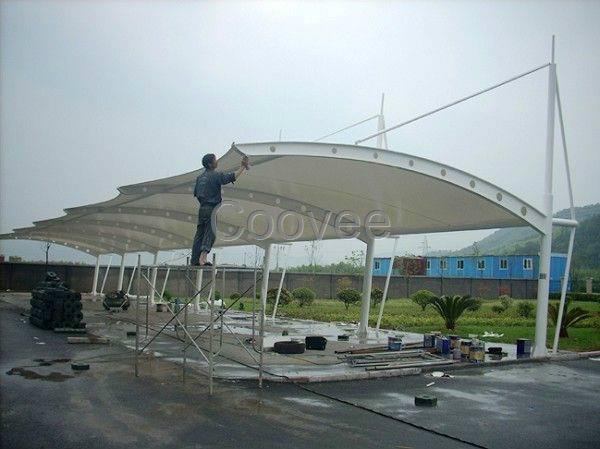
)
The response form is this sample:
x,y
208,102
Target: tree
x,y
422,298
349,296
570,317
451,308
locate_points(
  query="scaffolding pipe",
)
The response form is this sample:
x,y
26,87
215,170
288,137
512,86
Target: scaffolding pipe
x,y
211,327
387,284
137,316
264,286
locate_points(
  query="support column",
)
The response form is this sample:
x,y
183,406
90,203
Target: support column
x,y
96,273
264,286
105,275
154,275
541,319
121,272
387,284
366,293
199,272
563,290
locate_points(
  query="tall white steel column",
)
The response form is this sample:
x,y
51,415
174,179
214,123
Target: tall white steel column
x,y
199,272
96,273
541,319
264,286
387,284
121,272
154,275
366,293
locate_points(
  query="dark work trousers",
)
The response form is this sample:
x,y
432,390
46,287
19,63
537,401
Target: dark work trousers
x,y
205,236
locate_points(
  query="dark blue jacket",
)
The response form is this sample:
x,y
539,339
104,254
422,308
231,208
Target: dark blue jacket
x,y
208,186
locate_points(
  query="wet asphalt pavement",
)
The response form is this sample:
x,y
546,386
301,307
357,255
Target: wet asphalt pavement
x,y
44,404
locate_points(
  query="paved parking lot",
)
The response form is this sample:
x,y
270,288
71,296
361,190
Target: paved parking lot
x,y
45,404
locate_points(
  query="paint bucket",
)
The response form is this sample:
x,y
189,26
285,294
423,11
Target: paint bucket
x,y
394,343
477,352
442,345
456,354
429,340
454,341
465,349
523,346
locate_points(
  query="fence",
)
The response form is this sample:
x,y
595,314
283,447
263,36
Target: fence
x,y
24,276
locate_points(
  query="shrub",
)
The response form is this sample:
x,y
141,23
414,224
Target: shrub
x,y
451,308
235,296
497,308
304,295
569,318
506,302
284,297
578,296
167,296
525,309
475,306
423,298
349,296
241,306
376,296
217,295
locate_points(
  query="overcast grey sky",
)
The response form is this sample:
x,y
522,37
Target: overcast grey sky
x,y
99,94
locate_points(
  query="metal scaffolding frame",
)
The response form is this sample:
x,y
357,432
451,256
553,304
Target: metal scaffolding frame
x,y
210,353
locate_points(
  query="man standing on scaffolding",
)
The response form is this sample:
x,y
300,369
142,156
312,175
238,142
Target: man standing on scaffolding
x,y
208,193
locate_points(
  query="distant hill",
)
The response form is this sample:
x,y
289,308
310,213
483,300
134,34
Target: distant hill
x,y
586,252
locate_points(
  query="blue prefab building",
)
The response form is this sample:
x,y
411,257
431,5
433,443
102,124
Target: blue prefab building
x,y
486,267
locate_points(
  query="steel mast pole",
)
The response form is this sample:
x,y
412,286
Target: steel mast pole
x,y
541,319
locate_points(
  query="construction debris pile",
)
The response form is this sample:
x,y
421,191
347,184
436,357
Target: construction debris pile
x,y
54,306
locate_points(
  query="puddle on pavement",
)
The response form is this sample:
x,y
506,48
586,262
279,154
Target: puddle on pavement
x,y
32,375
44,362
308,401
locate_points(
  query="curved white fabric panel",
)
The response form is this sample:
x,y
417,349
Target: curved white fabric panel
x,y
317,182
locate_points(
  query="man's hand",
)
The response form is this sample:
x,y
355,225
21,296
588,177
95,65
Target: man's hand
x,y
245,162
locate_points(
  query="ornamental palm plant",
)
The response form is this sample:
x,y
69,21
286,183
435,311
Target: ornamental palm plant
x,y
569,318
451,308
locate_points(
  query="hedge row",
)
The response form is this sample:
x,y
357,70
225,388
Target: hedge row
x,y
578,296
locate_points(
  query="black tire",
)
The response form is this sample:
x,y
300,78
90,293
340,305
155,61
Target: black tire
x,y
78,366
289,347
426,400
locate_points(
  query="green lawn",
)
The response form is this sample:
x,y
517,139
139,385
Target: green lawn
x,y
404,315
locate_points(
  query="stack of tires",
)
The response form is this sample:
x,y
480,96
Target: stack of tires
x,y
54,306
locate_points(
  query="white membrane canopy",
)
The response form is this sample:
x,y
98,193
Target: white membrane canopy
x,y
294,191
